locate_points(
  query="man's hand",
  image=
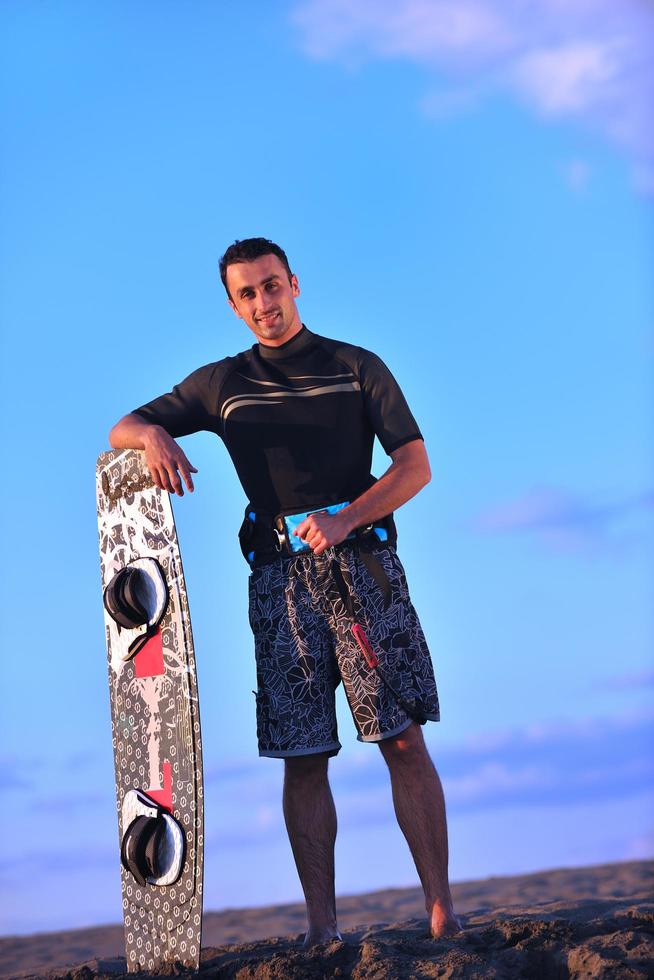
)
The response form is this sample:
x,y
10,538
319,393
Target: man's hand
x,y
322,531
164,458
407,474
166,461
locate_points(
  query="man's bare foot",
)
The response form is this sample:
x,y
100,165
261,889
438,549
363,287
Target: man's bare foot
x,y
317,937
444,922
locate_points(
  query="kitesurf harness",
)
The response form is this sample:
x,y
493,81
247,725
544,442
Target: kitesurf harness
x,y
264,538
136,598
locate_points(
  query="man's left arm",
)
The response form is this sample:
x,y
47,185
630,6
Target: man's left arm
x,y
408,473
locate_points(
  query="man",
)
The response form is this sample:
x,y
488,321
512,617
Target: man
x,y
298,414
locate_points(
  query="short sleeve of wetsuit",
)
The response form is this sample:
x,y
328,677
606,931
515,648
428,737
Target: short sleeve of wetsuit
x,y
386,406
190,407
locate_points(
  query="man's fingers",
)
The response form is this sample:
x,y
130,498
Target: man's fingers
x,y
155,473
165,479
319,538
317,541
309,532
302,528
168,463
186,469
173,479
165,474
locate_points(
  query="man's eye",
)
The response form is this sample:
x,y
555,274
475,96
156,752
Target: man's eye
x,y
271,286
247,294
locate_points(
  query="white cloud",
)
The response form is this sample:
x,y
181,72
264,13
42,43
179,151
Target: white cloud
x,y
634,681
589,60
417,29
493,778
570,77
570,522
541,765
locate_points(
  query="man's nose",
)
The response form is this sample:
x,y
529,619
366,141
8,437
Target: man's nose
x,y
264,302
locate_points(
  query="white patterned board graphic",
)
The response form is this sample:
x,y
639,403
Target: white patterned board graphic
x,y
155,714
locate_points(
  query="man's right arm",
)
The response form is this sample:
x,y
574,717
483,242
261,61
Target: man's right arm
x,y
164,458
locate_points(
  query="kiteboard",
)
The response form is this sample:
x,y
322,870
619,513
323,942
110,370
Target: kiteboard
x,y
154,716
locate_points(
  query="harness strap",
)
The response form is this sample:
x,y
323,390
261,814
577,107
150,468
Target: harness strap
x,y
414,709
376,570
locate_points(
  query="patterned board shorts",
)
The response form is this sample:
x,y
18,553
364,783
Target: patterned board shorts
x,y
304,647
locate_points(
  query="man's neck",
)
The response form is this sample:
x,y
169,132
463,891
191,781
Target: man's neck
x,y
292,331
300,341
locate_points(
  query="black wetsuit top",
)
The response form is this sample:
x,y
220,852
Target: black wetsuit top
x,y
298,421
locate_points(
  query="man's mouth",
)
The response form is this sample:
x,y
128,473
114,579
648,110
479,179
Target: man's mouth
x,y
267,317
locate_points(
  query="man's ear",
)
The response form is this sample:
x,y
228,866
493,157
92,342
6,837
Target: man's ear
x,y
233,306
295,286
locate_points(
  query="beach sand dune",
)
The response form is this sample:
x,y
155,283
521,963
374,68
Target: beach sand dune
x,y
567,923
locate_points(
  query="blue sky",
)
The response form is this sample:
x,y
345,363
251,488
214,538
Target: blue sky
x,y
465,189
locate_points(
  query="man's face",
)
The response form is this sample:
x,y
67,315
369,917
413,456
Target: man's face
x,y
260,293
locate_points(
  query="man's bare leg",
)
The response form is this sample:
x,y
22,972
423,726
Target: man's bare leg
x,y
311,824
420,810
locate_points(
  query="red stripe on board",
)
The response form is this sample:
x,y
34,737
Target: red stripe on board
x,y
149,661
164,797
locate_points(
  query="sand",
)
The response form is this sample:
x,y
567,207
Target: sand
x,y
567,923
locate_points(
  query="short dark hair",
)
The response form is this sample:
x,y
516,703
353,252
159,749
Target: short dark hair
x,y
247,250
